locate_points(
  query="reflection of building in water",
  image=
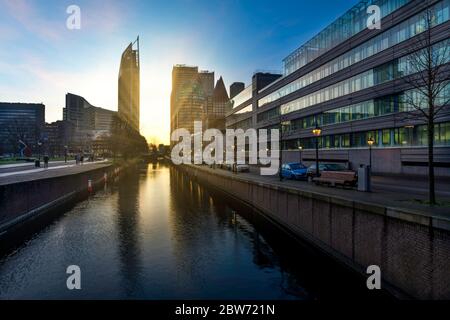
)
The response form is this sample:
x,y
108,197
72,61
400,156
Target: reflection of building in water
x,y
128,232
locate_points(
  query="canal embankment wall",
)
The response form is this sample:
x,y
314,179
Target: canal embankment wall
x,y
411,248
31,197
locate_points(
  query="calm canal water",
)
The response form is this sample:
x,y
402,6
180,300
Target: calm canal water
x,y
157,235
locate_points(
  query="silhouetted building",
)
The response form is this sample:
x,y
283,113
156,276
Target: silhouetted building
x,y
21,125
59,138
214,116
236,88
195,98
90,123
188,97
129,86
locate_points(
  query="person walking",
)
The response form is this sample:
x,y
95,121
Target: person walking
x,y
46,158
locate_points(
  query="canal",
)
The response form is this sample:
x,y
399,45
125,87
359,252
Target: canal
x,y
157,235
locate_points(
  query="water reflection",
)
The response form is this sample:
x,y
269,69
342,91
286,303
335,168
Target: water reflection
x,y
156,234
128,232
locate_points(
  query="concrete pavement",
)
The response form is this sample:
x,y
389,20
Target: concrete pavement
x,y
4,168
55,171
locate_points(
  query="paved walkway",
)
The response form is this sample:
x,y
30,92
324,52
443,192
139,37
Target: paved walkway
x,y
381,195
51,172
30,165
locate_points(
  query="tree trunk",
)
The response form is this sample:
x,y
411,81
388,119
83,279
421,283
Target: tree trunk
x,y
432,195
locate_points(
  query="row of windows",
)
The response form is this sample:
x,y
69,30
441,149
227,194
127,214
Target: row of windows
x,y
387,39
365,110
351,23
242,97
243,124
269,115
394,137
387,72
247,109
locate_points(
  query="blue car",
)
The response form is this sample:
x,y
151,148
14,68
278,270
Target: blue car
x,y
294,171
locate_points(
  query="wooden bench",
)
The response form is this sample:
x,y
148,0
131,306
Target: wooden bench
x,y
333,178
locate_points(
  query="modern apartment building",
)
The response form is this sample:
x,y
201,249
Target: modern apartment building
x,y
129,86
21,125
350,81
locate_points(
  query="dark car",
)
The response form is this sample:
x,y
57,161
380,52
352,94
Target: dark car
x,y
311,172
294,170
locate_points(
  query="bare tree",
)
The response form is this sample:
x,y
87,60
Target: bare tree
x,y
428,74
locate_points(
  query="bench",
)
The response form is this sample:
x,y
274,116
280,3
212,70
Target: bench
x,y
333,178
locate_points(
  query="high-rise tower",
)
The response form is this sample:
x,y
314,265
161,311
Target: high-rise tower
x,y
129,85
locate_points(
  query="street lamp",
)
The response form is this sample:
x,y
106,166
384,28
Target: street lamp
x,y
234,167
370,142
300,148
65,153
316,132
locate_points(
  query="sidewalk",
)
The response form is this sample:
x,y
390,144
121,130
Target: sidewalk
x,y
402,198
30,165
51,172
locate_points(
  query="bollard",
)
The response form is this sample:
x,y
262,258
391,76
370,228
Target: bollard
x,y
89,186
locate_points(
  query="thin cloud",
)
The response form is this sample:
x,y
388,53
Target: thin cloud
x,y
26,14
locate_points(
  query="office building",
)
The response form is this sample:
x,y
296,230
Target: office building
x,y
214,116
236,88
59,137
349,81
129,86
90,123
194,97
21,126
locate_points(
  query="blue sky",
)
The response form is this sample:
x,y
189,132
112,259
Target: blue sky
x,y
41,60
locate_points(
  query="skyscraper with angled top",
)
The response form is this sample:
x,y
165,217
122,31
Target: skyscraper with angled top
x,y
129,85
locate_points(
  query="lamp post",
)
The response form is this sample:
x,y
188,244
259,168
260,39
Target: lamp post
x,y
233,168
65,153
300,148
370,142
316,132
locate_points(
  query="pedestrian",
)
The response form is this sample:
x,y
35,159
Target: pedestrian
x,y
46,158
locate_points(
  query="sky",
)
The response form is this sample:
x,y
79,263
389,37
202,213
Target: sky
x,y
41,59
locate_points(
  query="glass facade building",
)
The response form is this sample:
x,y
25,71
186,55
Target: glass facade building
x,y
359,90
20,124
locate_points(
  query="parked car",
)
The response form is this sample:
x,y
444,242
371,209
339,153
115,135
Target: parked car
x,y
295,170
311,172
242,168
